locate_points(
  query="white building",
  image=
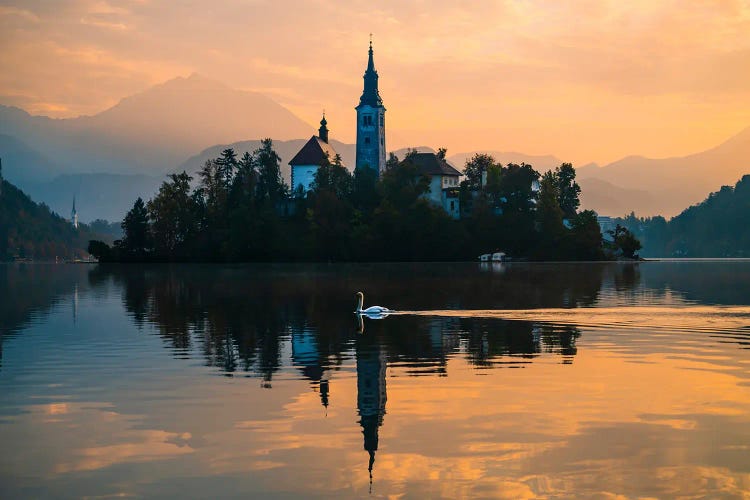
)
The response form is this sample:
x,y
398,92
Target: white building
x,y
444,181
305,163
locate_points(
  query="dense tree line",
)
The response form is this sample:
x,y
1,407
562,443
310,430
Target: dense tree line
x,y
240,209
717,227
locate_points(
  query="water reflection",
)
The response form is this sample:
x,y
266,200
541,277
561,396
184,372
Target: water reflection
x,y
525,380
371,393
241,321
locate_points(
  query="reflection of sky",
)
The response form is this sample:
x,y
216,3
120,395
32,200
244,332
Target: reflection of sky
x,y
98,407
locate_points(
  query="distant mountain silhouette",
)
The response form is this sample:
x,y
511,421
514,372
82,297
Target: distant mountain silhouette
x,y
152,131
98,196
608,199
22,164
672,183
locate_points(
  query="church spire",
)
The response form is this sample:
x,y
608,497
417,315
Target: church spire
x,y
323,130
370,62
370,94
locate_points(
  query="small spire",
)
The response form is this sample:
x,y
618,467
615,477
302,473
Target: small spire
x,y
370,61
323,130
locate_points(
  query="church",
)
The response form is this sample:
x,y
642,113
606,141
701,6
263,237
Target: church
x,y
371,152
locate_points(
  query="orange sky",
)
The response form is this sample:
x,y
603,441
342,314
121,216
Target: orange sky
x,y
583,80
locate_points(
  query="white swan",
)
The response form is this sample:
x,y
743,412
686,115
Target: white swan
x,y
372,310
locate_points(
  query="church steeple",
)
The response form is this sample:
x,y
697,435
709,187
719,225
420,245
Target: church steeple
x,y
370,94
371,121
323,130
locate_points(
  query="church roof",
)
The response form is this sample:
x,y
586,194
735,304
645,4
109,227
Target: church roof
x,y
430,164
313,152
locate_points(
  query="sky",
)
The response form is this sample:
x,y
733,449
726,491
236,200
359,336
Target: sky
x,y
582,80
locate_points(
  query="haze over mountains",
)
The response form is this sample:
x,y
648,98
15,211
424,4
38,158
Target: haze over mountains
x,y
109,159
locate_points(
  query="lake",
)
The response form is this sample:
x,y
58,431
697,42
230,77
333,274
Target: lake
x,y
492,380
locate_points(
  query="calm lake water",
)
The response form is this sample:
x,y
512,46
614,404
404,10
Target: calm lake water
x,y
517,381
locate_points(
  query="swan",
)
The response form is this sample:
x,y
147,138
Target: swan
x,y
372,310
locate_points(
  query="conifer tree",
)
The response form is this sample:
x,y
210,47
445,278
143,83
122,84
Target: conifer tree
x,y
137,234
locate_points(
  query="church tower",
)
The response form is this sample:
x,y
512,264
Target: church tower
x,y
371,123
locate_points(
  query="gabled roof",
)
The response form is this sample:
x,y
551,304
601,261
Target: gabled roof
x,y
430,164
313,152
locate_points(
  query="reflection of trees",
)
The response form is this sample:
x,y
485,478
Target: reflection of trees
x,y
499,342
240,318
237,319
627,277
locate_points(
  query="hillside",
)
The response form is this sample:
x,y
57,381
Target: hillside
x,y
716,227
675,183
30,230
151,132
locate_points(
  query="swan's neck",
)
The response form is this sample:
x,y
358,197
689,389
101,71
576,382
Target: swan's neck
x,y
360,301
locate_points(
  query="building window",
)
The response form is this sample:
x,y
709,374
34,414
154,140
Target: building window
x,y
382,120
453,206
367,140
367,120
382,140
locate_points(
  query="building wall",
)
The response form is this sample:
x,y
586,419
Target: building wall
x,y
304,175
435,195
451,205
440,197
371,137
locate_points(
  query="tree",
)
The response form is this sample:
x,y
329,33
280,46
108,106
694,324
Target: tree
x,y
137,234
568,189
475,169
333,177
586,237
227,164
549,217
100,250
391,162
173,215
624,242
271,186
403,185
517,188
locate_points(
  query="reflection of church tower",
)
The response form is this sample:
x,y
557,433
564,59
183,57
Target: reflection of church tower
x,y
371,123
74,214
371,395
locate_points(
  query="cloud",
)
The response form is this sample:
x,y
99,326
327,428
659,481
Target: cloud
x,y
484,66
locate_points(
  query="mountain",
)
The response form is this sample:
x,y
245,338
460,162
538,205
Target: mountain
x,y
150,132
607,199
98,196
22,164
30,230
674,183
716,227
